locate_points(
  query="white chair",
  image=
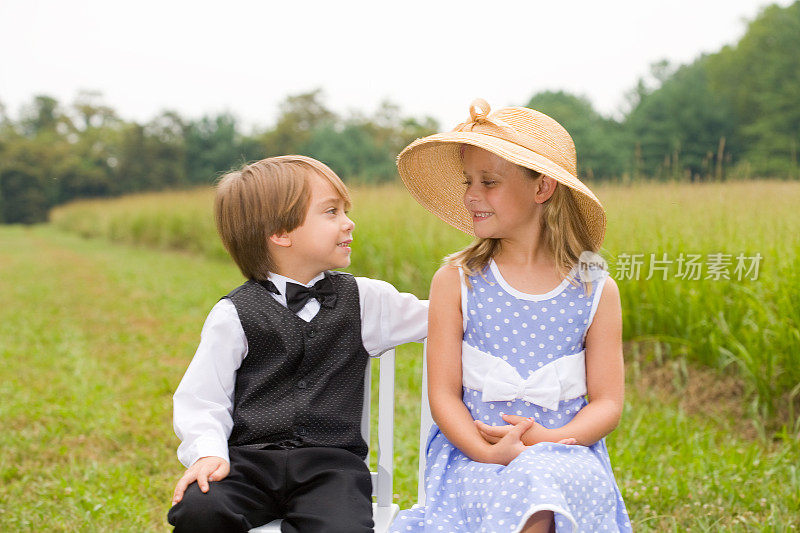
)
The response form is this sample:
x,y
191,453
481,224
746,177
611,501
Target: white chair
x,y
425,423
383,510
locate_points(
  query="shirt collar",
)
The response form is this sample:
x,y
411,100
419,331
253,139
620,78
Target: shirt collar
x,y
280,281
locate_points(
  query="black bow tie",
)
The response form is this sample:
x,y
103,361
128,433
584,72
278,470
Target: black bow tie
x,y
298,295
267,284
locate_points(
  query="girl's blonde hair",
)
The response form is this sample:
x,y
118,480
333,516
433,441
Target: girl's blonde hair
x,y
563,231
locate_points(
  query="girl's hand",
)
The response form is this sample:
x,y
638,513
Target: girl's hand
x,y
538,429
510,445
538,433
493,434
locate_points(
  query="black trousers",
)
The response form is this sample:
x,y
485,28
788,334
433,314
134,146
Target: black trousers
x,y
314,490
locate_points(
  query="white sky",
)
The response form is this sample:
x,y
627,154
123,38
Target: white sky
x,y
430,57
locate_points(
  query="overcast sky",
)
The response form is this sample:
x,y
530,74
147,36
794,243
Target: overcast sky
x,y
430,57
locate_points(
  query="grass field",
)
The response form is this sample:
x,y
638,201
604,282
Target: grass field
x,y
94,337
746,327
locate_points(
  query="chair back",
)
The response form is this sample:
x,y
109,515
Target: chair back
x,y
425,423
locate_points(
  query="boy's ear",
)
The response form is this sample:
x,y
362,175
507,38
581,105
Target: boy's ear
x,y
281,239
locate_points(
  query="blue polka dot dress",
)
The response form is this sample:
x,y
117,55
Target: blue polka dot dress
x,y
521,354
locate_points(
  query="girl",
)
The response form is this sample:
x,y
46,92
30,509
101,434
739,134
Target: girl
x,y
519,334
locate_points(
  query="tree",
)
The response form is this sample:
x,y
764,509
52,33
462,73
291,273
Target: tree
x,y
390,129
91,112
4,121
598,141
212,146
43,117
88,171
132,167
352,152
363,148
23,199
165,151
299,116
151,156
33,161
760,77
26,191
681,126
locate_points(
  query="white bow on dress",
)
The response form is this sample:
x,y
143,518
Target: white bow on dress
x,y
562,379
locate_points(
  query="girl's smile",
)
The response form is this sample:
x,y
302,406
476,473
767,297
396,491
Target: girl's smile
x,y
499,195
480,215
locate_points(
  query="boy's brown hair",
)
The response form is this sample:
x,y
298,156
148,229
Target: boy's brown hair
x,y
264,198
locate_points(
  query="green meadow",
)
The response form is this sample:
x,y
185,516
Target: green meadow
x,y
102,310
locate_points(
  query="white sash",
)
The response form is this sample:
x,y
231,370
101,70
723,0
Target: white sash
x,y
563,379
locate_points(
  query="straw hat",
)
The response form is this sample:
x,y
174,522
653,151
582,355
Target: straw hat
x,y
432,169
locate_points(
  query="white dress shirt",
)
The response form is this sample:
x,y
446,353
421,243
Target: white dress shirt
x,y
203,402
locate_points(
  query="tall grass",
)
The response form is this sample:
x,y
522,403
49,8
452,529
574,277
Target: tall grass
x,y
179,220
748,327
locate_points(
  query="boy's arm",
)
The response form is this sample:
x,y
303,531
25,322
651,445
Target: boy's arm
x,y
389,317
203,402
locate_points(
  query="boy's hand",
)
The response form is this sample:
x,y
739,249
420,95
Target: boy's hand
x,y
204,470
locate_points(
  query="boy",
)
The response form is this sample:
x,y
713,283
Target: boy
x,y
269,409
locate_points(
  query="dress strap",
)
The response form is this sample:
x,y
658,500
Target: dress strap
x,y
464,290
597,290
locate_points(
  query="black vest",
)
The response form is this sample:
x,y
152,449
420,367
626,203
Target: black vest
x,y
302,383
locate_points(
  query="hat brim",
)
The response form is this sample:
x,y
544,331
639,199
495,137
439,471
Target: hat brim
x,y
432,170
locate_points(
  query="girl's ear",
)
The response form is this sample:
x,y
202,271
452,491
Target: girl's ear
x,y
281,239
544,189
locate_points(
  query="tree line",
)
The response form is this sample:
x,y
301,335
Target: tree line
x,y
731,114
55,153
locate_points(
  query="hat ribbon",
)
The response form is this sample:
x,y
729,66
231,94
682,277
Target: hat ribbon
x,y
495,127
479,115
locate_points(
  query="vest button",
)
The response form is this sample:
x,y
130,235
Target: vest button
x,y
311,331
301,430
301,384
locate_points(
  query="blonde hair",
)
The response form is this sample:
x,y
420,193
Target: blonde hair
x,y
563,230
264,198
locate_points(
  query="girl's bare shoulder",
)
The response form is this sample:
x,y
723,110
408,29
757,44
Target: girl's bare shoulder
x,y
445,284
446,275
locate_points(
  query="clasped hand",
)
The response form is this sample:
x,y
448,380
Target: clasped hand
x,y
510,440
